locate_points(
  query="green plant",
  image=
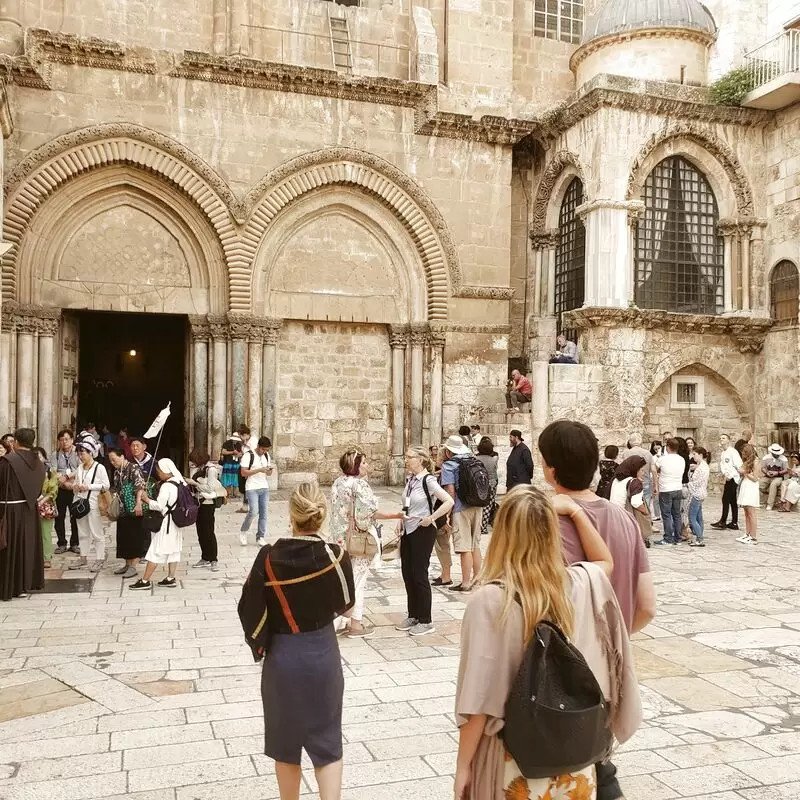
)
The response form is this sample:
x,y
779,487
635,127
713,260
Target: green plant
x,y
732,88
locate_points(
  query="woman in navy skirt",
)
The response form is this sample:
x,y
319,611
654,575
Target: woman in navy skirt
x,y
295,590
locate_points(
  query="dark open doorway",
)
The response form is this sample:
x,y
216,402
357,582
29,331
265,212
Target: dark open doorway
x,y
130,367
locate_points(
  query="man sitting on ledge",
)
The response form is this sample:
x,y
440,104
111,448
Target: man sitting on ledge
x,y
567,351
519,390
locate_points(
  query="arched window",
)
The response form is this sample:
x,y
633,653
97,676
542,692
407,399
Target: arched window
x,y
679,252
570,253
784,293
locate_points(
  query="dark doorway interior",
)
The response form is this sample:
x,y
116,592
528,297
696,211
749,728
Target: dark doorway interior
x,y
131,366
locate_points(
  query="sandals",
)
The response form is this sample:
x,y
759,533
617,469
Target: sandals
x,y
439,582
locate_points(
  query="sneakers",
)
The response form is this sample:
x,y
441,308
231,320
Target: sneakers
x,y
719,526
422,628
406,625
747,540
96,566
697,544
243,539
130,572
140,584
743,539
260,541
122,570
732,526
769,508
169,583
62,548
214,566
75,549
361,633
202,563
79,565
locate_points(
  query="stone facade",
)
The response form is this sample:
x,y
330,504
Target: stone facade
x,y
389,217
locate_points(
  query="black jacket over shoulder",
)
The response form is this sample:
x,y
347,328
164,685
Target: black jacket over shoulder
x,y
296,585
519,467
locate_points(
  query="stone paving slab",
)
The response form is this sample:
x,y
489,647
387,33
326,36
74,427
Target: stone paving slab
x,y
169,703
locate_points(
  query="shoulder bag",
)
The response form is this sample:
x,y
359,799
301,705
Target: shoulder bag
x,y
80,508
358,543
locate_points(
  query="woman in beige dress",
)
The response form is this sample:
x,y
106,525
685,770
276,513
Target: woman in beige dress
x,y
525,560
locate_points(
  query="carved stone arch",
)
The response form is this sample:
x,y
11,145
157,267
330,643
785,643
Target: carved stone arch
x,y
557,176
67,157
677,362
698,144
374,176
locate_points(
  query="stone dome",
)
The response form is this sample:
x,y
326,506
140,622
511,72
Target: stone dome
x,y
619,16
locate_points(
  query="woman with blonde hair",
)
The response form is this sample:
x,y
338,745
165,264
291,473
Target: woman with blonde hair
x,y
353,503
524,581
296,588
749,496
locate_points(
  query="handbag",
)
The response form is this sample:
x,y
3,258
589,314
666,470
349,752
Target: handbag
x,y
80,508
390,542
151,521
358,543
557,720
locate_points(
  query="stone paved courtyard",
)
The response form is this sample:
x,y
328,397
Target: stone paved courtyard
x,y
154,696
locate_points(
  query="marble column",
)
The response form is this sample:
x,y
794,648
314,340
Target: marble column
x,y
255,376
609,256
218,330
745,232
398,339
544,272
200,395
419,338
26,327
5,380
437,343
269,378
238,330
727,238
48,328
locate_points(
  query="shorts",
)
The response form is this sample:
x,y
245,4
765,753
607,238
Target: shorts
x,y
467,529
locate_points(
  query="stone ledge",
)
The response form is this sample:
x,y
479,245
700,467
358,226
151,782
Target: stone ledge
x,y
748,332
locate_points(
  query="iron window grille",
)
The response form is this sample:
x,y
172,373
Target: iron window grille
x,y
784,293
558,19
687,393
786,435
679,251
570,271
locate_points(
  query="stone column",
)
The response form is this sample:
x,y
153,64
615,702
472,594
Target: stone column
x,y
201,333
5,378
218,330
255,375
745,232
727,238
609,258
48,328
26,326
238,329
544,272
419,337
269,376
437,342
398,339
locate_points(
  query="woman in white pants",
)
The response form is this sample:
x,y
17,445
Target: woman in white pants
x,y
90,479
351,495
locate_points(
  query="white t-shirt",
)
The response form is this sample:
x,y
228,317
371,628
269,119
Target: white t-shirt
x,y
253,460
670,477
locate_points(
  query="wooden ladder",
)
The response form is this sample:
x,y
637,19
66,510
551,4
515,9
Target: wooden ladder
x,y
340,44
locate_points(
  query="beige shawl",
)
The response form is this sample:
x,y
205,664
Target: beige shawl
x,y
491,656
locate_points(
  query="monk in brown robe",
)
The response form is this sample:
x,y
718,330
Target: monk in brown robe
x,y
21,555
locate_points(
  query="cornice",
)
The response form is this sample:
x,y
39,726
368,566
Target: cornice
x,y
466,327
748,332
485,292
489,128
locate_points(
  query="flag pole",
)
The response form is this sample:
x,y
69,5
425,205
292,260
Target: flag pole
x,y
158,442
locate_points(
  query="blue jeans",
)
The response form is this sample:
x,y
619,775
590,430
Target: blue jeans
x,y
670,503
696,518
257,499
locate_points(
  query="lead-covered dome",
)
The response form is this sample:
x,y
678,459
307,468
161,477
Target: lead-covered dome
x,y
618,16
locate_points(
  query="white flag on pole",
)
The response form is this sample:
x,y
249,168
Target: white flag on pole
x,y
158,423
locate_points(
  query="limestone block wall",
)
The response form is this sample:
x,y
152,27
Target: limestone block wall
x,y
778,370
334,392
742,27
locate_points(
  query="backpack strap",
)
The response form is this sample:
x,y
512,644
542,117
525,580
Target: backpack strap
x,y
427,492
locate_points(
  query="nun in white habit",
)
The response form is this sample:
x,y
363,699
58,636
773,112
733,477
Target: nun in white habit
x,y
165,545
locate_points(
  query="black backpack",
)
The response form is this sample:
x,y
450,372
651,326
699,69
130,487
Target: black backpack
x,y
186,508
557,720
473,482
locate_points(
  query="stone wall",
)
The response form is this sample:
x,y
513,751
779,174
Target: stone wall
x,y
777,396
334,392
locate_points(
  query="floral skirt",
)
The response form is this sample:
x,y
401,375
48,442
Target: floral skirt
x,y
581,785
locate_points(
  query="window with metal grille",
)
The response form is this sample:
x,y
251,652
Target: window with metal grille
x,y
687,393
558,19
784,293
679,252
570,255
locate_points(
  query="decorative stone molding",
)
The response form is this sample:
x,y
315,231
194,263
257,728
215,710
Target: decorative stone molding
x,y
562,160
24,72
398,336
419,333
485,292
630,206
66,48
199,328
370,173
741,226
240,326
218,326
544,239
68,156
748,332
437,337
488,128
27,318
252,73
272,330
709,141
466,327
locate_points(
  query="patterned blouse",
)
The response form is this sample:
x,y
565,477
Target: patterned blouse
x,y
345,490
128,480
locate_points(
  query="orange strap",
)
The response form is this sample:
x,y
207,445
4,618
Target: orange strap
x,y
287,612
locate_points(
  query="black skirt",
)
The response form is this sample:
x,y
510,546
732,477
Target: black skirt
x,y
132,539
302,686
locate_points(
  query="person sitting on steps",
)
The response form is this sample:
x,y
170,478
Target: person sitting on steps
x,y
519,391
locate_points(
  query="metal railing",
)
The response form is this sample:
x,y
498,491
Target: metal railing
x,y
776,57
303,49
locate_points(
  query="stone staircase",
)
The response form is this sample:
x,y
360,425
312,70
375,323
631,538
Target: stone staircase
x,y
496,424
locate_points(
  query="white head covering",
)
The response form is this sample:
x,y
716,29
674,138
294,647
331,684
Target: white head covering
x,y
167,466
89,445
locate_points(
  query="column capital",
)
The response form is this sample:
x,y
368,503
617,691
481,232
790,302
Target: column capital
x,y
542,240
437,337
272,330
28,318
398,337
239,325
420,333
631,206
741,226
199,327
217,326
